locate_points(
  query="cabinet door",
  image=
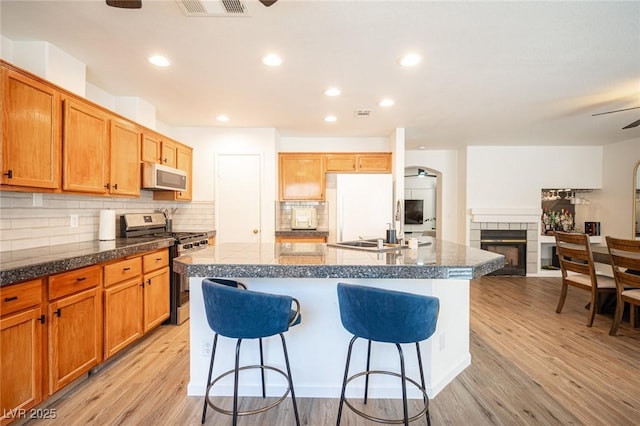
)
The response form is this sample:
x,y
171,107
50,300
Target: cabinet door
x,y
31,132
374,162
86,148
151,148
75,337
125,159
122,315
21,344
156,298
184,161
302,177
341,162
169,153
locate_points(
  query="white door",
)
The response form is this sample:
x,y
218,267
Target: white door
x,y
238,203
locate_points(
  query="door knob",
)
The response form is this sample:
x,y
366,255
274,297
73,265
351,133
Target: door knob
x,y
255,231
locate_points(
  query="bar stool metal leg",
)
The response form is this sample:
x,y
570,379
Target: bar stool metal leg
x,y
264,392
213,354
293,393
366,379
403,377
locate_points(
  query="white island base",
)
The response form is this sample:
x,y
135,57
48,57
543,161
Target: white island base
x,y
318,346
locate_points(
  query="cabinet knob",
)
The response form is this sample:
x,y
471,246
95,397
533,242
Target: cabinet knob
x,y
10,299
81,279
108,186
115,186
9,174
58,312
255,231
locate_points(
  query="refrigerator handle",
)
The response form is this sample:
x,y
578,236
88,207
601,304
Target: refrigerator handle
x,y
340,219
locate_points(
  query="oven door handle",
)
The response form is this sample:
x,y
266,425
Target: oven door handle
x,y
502,241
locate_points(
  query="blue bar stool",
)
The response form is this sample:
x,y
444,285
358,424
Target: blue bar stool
x,y
237,313
386,316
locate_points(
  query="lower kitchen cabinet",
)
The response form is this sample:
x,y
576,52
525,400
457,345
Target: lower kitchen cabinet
x,y
22,333
75,325
156,298
122,315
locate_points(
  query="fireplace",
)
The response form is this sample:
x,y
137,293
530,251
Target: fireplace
x,y
510,243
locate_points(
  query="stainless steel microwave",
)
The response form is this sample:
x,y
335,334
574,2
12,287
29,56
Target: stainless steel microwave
x,y
160,177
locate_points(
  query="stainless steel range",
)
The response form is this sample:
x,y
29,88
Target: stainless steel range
x,y
154,225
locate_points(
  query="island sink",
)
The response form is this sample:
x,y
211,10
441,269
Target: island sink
x,y
372,245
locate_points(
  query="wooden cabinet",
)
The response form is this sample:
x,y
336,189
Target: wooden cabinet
x,y
75,325
31,134
184,162
136,298
169,152
86,148
22,335
373,162
151,147
156,289
122,304
125,158
301,177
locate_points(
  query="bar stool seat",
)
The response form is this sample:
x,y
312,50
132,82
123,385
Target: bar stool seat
x,y
386,316
237,313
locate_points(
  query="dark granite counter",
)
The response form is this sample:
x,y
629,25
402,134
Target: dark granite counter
x,y
21,265
302,233
440,260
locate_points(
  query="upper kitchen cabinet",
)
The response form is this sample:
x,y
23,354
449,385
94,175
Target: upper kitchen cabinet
x,y
350,162
184,162
31,134
169,150
101,154
85,158
151,147
125,158
301,177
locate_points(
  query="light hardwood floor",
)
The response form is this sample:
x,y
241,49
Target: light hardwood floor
x,y
530,366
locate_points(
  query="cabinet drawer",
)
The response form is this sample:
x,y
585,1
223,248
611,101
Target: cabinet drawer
x,y
122,270
156,260
73,281
20,296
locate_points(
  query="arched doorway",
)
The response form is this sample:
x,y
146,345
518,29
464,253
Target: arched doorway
x,y
423,201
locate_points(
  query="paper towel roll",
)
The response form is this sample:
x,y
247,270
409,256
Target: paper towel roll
x,y
107,230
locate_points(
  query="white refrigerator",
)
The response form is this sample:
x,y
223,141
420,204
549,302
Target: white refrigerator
x,y
364,206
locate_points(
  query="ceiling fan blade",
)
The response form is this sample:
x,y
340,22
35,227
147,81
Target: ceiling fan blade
x,y
634,124
125,4
617,110
268,2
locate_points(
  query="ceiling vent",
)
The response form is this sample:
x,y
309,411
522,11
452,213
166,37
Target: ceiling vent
x,y
213,7
362,113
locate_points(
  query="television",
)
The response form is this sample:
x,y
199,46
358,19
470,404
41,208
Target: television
x,y
413,212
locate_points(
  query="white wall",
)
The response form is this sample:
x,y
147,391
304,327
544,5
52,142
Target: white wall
x,y
209,141
616,200
288,144
512,177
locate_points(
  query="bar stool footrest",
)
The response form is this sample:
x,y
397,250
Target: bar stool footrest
x,y
422,412
248,412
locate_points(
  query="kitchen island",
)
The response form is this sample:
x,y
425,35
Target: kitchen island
x,y
317,347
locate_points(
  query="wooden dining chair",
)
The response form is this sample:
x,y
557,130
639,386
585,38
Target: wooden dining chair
x,y
625,261
578,270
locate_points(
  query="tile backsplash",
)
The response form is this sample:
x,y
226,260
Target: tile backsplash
x,y
283,213
30,220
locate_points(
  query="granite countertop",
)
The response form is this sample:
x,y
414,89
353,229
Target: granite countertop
x,y
21,265
302,232
440,260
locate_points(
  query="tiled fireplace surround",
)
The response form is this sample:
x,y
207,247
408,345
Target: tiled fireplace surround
x,y
521,219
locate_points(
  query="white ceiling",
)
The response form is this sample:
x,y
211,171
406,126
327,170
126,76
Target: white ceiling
x,y
493,73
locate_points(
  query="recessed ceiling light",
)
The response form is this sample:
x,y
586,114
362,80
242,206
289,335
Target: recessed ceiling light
x,y
332,91
386,102
330,118
410,60
159,61
272,60
222,118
